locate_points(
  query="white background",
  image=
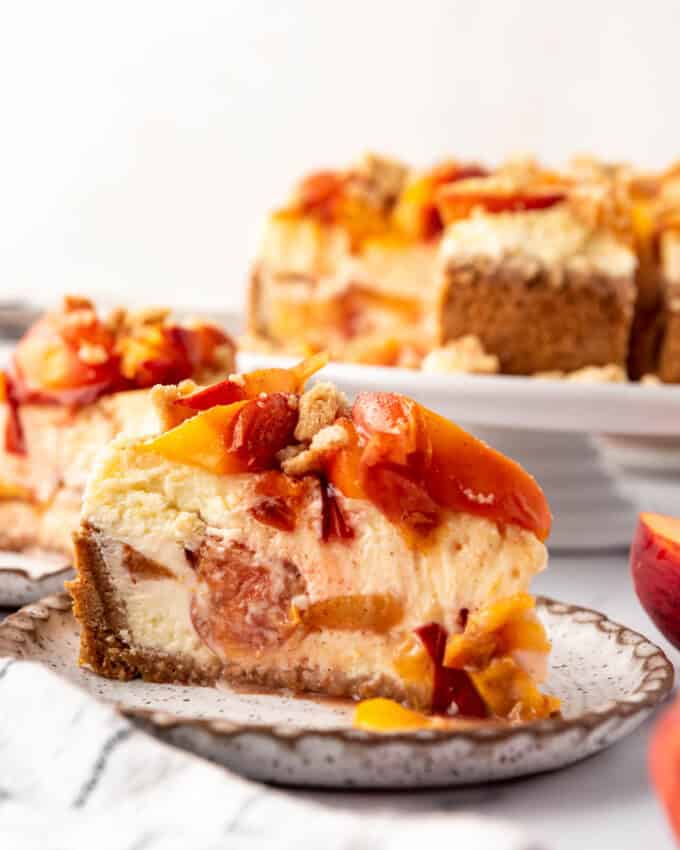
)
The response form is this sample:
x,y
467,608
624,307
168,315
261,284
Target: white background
x,y
141,143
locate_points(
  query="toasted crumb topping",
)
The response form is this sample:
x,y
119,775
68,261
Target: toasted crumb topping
x,y
71,303
610,374
466,354
319,407
324,443
92,354
163,399
380,179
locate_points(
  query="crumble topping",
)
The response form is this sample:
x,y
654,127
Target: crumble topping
x,y
380,179
92,354
610,374
466,354
163,398
319,407
324,442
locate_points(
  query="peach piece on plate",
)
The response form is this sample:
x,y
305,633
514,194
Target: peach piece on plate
x,y
655,566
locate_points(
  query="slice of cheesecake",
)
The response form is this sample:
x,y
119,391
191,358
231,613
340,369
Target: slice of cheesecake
x,y
76,380
279,537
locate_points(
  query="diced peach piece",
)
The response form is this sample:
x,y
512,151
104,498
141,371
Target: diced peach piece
x,y
50,359
416,212
509,692
655,566
499,614
526,634
507,624
414,460
14,492
343,468
221,393
240,437
252,384
412,661
375,612
200,441
386,715
471,651
320,192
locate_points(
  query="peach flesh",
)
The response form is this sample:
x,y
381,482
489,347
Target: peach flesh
x,y
655,567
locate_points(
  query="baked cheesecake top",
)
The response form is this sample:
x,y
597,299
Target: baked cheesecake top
x,y
73,356
408,461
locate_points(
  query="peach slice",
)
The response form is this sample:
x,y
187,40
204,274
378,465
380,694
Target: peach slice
x,y
509,624
655,567
320,192
252,384
375,612
240,437
386,715
51,360
416,212
414,461
664,763
454,204
509,692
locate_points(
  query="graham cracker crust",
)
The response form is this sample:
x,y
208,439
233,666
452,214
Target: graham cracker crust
x,y
105,649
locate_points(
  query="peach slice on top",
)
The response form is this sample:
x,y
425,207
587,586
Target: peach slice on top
x,y
231,438
63,354
242,422
410,462
252,384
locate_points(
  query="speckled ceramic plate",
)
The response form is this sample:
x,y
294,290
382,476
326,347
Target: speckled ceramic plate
x,y
28,577
608,677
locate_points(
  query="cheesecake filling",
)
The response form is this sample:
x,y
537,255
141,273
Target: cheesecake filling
x,y
555,238
184,518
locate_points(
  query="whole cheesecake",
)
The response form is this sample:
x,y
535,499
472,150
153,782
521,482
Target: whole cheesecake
x,y
277,536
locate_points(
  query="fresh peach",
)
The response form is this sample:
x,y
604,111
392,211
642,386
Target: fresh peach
x,y
655,566
664,764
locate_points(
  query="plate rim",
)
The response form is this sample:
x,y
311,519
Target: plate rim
x,y
512,401
655,686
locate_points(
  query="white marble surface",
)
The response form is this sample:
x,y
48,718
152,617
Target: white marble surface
x,y
71,769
